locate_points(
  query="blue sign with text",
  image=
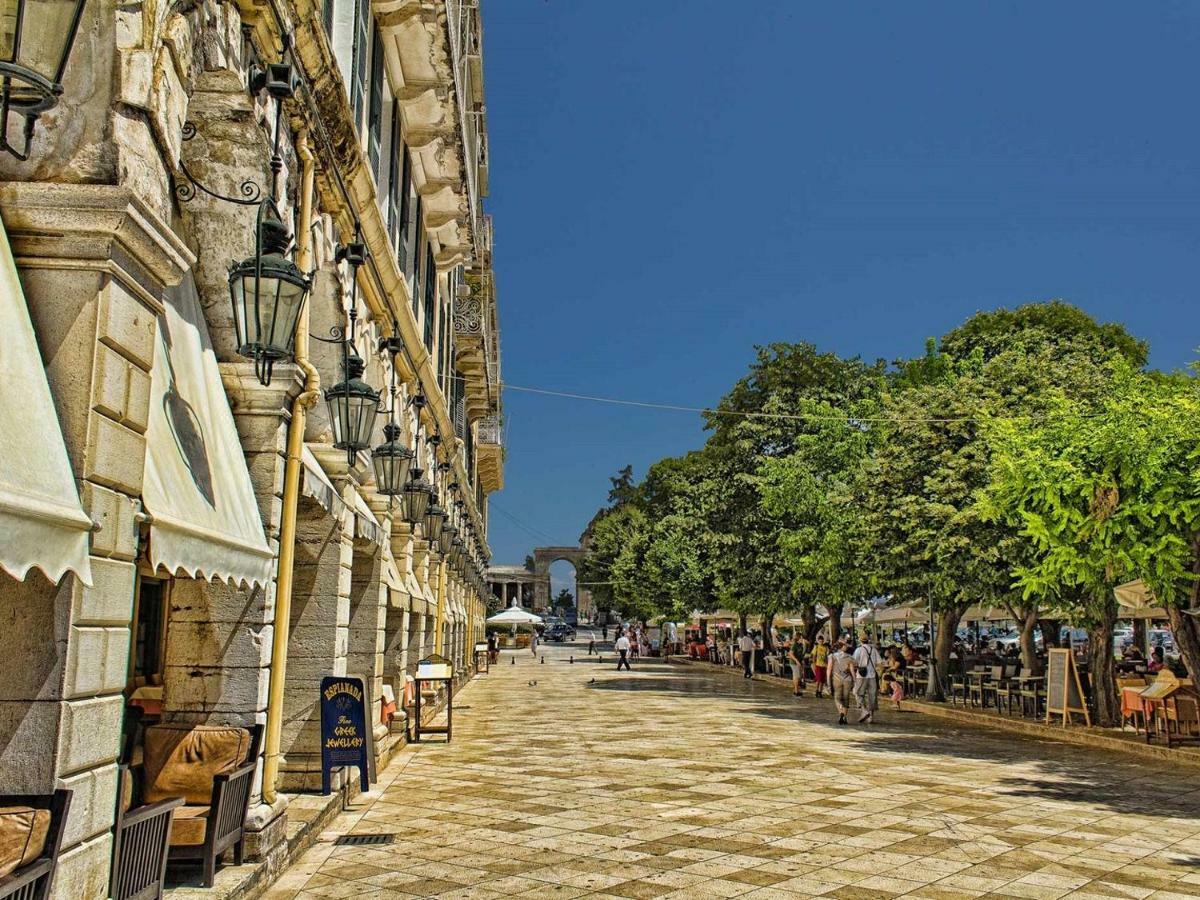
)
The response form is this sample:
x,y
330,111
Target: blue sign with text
x,y
345,738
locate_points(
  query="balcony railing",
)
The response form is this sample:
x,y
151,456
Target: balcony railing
x,y
490,430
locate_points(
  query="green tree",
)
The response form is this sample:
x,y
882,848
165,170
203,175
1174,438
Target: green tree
x,y
1107,491
763,418
564,599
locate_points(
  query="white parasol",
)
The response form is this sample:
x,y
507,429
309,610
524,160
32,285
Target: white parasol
x,y
514,615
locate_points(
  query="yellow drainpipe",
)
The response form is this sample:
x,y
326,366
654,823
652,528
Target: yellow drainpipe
x,y
291,489
440,621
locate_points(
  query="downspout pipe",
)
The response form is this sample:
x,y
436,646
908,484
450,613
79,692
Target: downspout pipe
x,y
291,488
440,620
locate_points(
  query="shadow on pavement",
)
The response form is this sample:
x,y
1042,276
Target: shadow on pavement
x,y
1066,772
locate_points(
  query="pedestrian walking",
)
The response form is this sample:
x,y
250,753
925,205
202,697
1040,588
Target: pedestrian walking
x,y
493,648
746,646
533,644
796,653
604,632
820,664
622,647
866,684
591,646
841,679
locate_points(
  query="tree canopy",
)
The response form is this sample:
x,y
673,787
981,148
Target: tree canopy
x,y
1027,461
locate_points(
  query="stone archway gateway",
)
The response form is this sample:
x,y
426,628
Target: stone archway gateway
x,y
543,558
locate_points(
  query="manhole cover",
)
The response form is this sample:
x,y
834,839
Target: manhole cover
x,y
364,840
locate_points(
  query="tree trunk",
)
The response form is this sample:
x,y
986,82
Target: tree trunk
x,y
943,643
742,624
1100,665
835,623
810,623
1139,636
1050,629
1186,628
768,644
1029,657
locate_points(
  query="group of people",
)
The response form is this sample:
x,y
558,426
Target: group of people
x,y
860,672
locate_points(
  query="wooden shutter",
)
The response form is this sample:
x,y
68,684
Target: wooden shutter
x,y
416,260
403,254
358,65
375,106
397,182
430,295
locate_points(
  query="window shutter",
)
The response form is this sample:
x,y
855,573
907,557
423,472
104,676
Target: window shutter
x,y
406,217
416,261
375,107
430,295
358,67
397,188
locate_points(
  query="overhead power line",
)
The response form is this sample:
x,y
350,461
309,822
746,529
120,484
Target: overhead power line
x,y
493,506
747,414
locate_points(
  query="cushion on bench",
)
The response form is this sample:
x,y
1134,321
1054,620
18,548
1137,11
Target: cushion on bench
x,y
183,760
189,826
23,831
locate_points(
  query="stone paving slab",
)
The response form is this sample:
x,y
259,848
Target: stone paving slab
x,y
680,781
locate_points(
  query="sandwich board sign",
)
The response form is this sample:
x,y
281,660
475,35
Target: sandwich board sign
x,y
1064,693
346,735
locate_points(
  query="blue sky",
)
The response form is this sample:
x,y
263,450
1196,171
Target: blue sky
x,y
675,181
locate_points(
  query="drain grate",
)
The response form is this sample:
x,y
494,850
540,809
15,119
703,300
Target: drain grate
x,y
364,840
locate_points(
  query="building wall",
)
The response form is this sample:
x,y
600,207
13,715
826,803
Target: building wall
x,y
100,232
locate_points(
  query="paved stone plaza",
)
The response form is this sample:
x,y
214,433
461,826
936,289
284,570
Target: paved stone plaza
x,y
684,781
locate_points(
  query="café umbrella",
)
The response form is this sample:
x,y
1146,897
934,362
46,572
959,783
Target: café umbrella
x,y
514,615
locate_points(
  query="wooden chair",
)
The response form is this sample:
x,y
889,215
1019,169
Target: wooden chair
x,y
212,768
1007,691
42,819
141,841
1030,695
990,685
1177,719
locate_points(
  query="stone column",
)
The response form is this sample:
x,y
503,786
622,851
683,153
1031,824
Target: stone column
x,y
94,262
320,620
368,618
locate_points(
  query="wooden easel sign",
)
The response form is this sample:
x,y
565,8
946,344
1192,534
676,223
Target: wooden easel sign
x,y
1064,692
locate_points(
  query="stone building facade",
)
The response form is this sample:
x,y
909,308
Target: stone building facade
x,y
122,257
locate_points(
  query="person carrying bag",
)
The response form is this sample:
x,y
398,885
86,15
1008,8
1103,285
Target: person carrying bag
x,y
866,685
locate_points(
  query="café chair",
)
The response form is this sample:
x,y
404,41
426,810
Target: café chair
x,y
211,768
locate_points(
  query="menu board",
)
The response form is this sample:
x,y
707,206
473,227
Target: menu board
x,y
435,667
1064,693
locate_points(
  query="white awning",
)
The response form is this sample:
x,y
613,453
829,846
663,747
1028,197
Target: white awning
x,y
206,522
431,599
318,486
392,577
365,524
41,520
